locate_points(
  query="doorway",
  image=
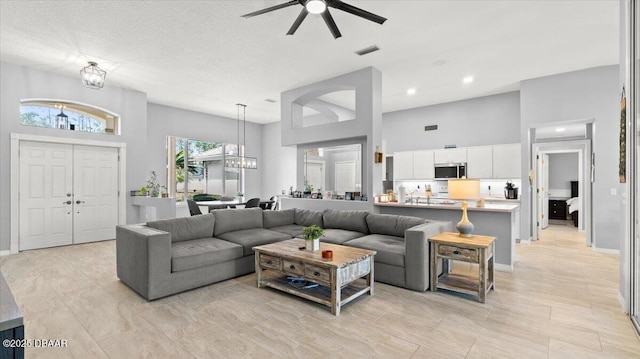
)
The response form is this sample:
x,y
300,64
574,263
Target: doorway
x,y
65,191
541,212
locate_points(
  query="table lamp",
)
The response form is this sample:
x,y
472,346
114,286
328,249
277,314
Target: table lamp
x,y
464,189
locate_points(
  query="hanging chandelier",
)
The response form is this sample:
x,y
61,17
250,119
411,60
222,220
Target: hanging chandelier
x,y
62,120
240,160
92,76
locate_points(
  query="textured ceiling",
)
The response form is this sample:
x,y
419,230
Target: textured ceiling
x,y
202,56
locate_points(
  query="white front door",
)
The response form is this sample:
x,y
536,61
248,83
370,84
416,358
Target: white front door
x,y
95,181
46,207
68,194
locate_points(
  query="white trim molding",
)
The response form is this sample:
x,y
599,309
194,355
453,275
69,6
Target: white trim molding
x,y
5,253
503,267
606,250
15,176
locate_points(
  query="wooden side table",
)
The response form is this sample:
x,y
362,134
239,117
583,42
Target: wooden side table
x,y
475,249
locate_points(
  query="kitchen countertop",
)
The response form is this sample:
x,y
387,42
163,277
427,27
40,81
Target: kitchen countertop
x,y
456,206
486,198
10,315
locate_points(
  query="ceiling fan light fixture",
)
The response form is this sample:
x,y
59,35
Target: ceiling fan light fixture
x,y
316,6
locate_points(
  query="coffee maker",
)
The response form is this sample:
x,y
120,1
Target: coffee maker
x,y
510,191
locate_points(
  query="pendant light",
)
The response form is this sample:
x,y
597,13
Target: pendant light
x,y
92,76
240,160
62,120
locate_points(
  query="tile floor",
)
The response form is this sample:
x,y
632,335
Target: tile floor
x,y
561,301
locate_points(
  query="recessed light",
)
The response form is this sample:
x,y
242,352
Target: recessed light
x,y
468,79
560,129
411,91
439,62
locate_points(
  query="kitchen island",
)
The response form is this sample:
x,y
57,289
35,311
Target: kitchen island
x,y
496,220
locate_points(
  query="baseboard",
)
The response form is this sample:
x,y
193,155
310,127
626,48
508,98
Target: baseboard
x,y
524,241
503,267
623,303
606,250
4,253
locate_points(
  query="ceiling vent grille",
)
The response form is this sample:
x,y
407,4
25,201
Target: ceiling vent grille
x,y
431,128
368,50
270,100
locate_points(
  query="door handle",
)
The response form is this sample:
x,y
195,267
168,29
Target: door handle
x,y
67,202
79,201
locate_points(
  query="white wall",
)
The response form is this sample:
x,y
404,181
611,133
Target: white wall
x,y
579,95
278,162
479,121
563,168
20,82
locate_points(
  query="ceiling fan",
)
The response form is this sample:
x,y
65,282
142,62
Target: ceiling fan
x,y
320,7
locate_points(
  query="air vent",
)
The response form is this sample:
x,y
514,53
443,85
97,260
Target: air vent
x,y
431,128
368,50
270,100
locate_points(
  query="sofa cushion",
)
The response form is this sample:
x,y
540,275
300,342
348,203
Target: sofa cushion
x,y
202,252
390,248
349,220
307,217
338,236
390,224
186,228
232,219
284,217
293,230
248,238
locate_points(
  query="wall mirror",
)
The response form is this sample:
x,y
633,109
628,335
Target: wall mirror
x,y
337,169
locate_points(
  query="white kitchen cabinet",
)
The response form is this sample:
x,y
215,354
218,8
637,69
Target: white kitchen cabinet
x,y
480,162
403,165
450,155
506,161
423,165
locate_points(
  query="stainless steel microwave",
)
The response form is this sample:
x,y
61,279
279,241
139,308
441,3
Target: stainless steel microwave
x,y
451,170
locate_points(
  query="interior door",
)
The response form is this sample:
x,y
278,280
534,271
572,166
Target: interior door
x,y
545,191
541,188
315,175
345,176
45,189
95,180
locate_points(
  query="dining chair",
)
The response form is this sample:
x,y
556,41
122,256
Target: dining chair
x,y
194,209
253,202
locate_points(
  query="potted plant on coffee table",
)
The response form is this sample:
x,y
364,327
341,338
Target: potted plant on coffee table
x,y
312,236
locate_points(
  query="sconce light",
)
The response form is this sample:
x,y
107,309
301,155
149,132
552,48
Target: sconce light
x,y
377,155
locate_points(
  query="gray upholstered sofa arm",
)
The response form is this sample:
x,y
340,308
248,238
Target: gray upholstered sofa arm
x,y
416,241
143,257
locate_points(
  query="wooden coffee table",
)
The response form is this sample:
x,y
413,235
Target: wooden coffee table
x,y
348,275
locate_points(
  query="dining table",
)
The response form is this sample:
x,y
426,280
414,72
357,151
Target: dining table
x,y
211,205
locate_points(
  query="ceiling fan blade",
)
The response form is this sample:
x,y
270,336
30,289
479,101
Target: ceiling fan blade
x,y
272,8
296,24
356,11
328,19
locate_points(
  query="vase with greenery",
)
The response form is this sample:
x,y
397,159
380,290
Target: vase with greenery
x,y
312,236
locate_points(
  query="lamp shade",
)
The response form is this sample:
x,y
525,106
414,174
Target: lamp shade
x,y
464,189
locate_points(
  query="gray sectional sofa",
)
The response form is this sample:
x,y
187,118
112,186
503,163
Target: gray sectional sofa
x,y
173,255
